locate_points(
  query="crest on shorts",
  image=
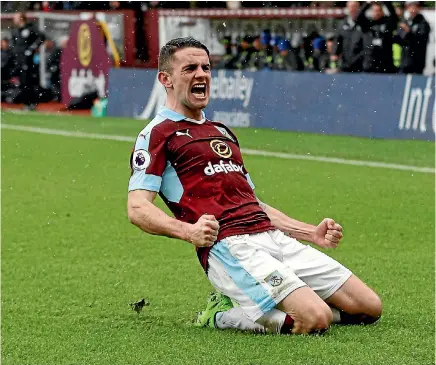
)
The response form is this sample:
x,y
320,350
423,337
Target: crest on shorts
x,y
141,159
274,279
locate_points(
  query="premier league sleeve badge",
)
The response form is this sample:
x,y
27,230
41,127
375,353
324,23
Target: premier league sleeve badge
x,y
141,160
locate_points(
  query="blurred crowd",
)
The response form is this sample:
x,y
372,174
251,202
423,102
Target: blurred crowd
x,y
374,37
20,65
14,6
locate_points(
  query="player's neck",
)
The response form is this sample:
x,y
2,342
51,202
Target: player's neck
x,y
181,109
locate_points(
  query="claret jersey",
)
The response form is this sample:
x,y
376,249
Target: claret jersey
x,y
197,168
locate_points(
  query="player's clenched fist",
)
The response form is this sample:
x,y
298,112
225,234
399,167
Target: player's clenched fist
x,y
204,233
328,234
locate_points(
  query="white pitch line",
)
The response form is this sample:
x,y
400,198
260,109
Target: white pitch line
x,y
247,151
60,132
343,161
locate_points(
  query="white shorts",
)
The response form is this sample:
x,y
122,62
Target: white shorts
x,y
258,271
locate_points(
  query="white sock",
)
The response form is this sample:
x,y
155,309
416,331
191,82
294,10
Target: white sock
x,y
272,321
336,315
235,318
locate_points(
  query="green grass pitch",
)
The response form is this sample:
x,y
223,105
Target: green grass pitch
x,y
72,263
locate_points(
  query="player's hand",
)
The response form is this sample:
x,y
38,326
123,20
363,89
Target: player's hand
x,y
204,233
328,234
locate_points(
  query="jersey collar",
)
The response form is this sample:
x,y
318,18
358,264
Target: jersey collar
x,y
177,117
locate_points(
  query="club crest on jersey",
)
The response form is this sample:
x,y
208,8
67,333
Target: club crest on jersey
x,y
141,160
224,132
221,148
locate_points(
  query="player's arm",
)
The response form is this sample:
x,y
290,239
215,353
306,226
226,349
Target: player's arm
x,y
144,214
327,234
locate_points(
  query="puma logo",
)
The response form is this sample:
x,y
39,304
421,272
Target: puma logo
x,y
179,133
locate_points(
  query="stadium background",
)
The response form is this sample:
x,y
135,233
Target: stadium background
x,y
357,147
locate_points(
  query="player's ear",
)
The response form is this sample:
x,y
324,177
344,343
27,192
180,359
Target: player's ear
x,y
165,79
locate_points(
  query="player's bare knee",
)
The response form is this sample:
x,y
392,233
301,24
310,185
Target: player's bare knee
x,y
373,310
370,306
368,310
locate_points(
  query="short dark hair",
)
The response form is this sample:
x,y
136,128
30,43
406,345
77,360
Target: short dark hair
x,y
167,51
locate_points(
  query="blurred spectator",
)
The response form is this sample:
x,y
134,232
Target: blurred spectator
x,y
259,58
349,41
227,60
361,43
322,4
399,10
266,43
312,34
287,58
274,4
396,48
245,50
26,39
274,44
14,6
413,36
8,62
329,65
319,53
90,5
42,6
377,37
47,6
53,66
168,4
136,6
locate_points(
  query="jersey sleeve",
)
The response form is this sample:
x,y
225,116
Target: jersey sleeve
x,y
148,161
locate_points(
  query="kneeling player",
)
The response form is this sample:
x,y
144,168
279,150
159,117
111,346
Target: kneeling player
x,y
196,166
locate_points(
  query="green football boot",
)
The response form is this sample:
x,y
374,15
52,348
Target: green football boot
x,y
217,303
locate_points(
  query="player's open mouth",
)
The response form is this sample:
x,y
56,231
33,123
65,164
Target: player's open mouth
x,y
199,90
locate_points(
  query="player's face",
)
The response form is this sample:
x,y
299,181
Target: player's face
x,y
191,77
